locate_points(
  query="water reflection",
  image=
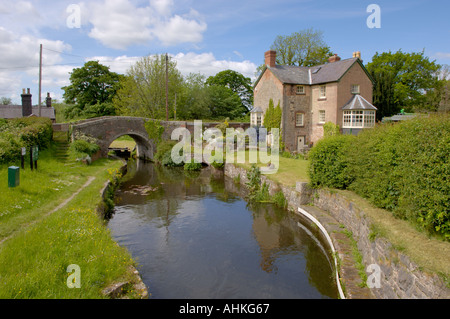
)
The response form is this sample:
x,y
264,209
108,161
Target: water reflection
x,y
195,237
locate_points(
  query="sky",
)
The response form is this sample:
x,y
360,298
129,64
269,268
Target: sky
x,y
202,36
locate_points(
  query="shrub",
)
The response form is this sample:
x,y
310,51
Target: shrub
x,y
192,166
405,168
23,132
328,162
84,147
162,149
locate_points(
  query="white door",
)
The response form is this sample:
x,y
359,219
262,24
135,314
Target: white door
x,y
300,143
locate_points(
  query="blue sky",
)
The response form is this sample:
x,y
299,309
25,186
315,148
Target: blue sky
x,y
202,36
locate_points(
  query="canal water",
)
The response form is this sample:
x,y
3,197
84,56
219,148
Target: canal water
x,y
194,236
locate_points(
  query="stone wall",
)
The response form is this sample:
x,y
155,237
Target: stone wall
x,y
399,276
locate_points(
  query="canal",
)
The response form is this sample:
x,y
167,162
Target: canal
x,y
194,236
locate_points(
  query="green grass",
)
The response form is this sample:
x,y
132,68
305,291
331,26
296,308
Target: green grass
x,y
289,171
40,246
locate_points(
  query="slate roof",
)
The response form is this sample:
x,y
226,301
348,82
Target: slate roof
x,y
357,102
256,109
15,111
328,72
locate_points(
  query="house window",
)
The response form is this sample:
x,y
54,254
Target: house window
x,y
322,116
300,89
358,119
299,119
258,119
323,92
355,88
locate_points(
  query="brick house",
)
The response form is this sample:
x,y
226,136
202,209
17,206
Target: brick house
x,y
339,91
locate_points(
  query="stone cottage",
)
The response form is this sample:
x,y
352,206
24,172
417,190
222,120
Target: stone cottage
x,y
339,91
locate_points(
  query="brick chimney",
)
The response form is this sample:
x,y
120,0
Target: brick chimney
x,y
270,58
334,58
27,108
48,100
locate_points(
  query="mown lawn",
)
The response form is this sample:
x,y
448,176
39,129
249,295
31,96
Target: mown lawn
x,y
38,247
289,170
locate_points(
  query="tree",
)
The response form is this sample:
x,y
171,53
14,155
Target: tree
x,y
303,48
403,81
237,82
194,102
143,91
223,103
5,101
92,88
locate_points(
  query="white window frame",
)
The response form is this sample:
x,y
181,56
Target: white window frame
x,y
358,119
322,92
354,89
297,119
300,89
259,119
321,116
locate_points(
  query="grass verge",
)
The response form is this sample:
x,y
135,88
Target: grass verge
x,y
34,259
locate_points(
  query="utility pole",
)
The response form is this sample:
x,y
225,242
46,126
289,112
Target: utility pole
x,y
40,79
167,88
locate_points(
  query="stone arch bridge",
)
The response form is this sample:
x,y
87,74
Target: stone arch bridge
x,y
106,129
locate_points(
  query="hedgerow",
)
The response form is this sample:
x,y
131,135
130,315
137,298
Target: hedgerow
x,y
402,167
23,132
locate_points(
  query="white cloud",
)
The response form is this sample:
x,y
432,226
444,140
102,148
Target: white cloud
x,y
204,63
119,24
20,62
207,64
179,29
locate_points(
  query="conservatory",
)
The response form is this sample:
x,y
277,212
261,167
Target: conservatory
x,y
358,114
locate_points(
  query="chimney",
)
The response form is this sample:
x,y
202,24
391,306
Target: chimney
x,y
357,54
48,100
27,108
270,58
334,58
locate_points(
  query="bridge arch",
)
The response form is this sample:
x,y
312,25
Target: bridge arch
x,y
108,128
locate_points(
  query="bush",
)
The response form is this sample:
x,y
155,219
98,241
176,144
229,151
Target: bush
x,y
328,162
192,166
402,167
84,147
23,132
405,168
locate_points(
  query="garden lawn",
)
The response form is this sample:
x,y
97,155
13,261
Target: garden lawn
x,y
289,171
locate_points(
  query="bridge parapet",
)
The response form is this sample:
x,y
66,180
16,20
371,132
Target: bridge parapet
x,y
106,129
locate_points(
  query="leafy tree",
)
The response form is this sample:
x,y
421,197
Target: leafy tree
x,y
303,48
193,102
143,91
237,82
93,84
5,101
403,81
223,103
